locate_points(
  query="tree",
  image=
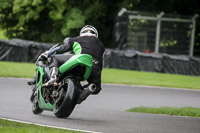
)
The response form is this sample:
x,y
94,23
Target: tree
x,y
47,21
52,20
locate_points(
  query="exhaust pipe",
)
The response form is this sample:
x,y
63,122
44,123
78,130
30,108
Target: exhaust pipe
x,y
86,92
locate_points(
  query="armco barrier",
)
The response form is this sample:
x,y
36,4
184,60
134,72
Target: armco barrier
x,y
27,51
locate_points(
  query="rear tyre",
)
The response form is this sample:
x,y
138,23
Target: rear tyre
x,y
66,102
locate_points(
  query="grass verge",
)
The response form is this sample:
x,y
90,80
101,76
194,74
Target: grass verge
x,y
16,127
13,69
184,111
117,76
150,78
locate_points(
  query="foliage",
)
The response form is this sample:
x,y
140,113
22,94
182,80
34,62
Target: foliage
x,y
38,20
2,35
53,20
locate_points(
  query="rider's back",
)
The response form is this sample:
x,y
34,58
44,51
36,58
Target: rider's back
x,y
92,46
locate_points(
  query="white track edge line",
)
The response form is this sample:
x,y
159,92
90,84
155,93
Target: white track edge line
x,y
44,125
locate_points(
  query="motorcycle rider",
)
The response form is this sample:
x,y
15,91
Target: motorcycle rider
x,y
86,43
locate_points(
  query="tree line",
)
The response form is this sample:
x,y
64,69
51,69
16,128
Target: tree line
x,y
53,20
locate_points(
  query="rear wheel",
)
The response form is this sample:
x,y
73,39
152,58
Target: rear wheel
x,y
66,102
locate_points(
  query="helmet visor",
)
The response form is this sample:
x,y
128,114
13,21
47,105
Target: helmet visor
x,y
88,31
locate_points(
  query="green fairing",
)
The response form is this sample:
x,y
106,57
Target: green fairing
x,y
80,59
42,104
77,48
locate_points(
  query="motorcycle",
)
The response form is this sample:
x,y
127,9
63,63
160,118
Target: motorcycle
x,y
62,98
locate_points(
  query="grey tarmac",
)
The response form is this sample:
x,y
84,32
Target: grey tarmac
x,y
106,112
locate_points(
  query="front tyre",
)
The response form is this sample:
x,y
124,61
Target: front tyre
x,y
66,102
35,107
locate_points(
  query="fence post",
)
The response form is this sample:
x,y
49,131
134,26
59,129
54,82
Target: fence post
x,y
193,34
158,32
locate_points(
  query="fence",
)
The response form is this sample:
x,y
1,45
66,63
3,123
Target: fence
x,y
157,33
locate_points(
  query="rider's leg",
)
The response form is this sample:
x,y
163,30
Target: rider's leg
x,y
54,63
94,86
53,66
53,77
95,78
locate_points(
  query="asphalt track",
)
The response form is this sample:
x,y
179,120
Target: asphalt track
x,y
106,112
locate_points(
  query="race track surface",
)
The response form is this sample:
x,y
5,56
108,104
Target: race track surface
x,y
106,111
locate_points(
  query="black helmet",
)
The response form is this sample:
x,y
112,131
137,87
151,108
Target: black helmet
x,y
89,30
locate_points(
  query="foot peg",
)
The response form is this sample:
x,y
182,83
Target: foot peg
x,y
86,92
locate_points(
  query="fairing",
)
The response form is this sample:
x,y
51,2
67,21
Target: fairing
x,y
81,59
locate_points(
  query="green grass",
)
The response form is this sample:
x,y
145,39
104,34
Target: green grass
x,y
26,70
13,69
184,111
16,127
150,78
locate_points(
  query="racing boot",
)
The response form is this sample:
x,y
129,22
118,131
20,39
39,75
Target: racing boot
x,y
53,78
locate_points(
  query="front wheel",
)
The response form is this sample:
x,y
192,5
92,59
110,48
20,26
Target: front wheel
x,y
35,107
66,102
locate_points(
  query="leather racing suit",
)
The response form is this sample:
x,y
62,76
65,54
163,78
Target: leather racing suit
x,y
81,45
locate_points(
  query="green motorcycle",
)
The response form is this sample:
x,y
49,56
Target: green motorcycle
x,y
69,92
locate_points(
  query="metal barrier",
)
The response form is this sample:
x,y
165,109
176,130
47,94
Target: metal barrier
x,y
155,33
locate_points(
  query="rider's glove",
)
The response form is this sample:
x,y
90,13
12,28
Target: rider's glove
x,y
43,56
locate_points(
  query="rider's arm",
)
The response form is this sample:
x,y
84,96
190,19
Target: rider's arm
x,y
61,48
